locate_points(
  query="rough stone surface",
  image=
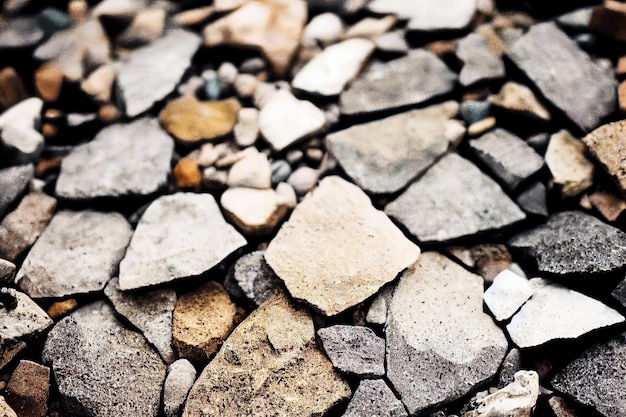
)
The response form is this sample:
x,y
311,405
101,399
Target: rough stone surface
x,y
5,409
442,204
384,155
573,242
507,293
255,212
389,85
377,313
180,378
26,319
111,165
270,362
570,168
429,15
334,223
517,399
510,365
178,236
597,379
27,390
556,312
507,156
77,253
519,99
354,350
150,312
374,398
13,182
433,356
619,293
480,60
111,376
150,73
544,51
254,278
20,229
203,318
608,145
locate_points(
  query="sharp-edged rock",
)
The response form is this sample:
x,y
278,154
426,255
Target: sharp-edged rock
x,y
354,350
533,200
519,99
570,168
507,293
255,212
374,398
517,399
254,278
619,293
13,182
22,319
608,145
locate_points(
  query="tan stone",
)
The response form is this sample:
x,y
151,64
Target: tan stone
x,y
337,250
202,319
607,144
99,83
190,120
147,26
621,96
565,158
272,26
61,308
269,365
610,19
481,126
620,69
255,212
12,89
371,27
253,171
27,390
78,9
519,99
194,17
49,81
187,174
5,409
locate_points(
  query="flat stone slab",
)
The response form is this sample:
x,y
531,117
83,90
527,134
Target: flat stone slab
x,y
573,242
429,15
354,350
451,200
13,182
113,165
393,84
77,253
556,312
582,90
480,60
507,293
269,362
178,236
373,397
384,155
334,224
428,337
103,369
608,145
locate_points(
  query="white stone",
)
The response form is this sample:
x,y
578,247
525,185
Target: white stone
x,y
429,15
507,293
253,171
325,28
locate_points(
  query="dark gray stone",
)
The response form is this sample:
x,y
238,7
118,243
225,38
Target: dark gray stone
x,y
619,293
13,182
393,84
354,350
373,397
510,365
281,170
573,242
251,277
475,111
507,156
533,200
180,378
565,75
20,32
480,61
598,378
451,200
102,368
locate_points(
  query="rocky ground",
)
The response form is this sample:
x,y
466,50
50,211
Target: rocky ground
x,y
323,208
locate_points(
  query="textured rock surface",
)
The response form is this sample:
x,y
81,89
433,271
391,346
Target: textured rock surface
x,y
27,390
77,253
619,293
517,399
433,357
384,155
111,165
5,409
254,278
178,236
100,376
480,60
608,145
13,182
510,365
374,398
180,378
429,15
270,362
442,204
533,200
26,319
567,162
354,350
556,312
507,293
333,223
573,242
7,271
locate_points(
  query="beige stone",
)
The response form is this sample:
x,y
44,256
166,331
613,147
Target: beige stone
x,y
247,128
371,27
565,158
99,83
517,399
202,319
255,212
270,365
337,250
253,171
5,409
147,26
621,97
620,69
608,146
245,85
519,99
194,17
481,126
609,204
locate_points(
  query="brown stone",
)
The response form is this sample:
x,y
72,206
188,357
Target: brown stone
x,y
269,365
47,166
8,351
28,391
610,19
620,69
108,113
608,204
61,308
49,81
608,145
621,97
187,174
203,318
12,89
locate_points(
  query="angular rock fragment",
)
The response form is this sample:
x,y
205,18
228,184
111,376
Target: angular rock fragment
x,y
608,145
255,278
13,182
377,313
429,15
577,19
255,212
392,42
533,200
384,155
389,85
270,362
354,350
374,398
178,236
480,60
517,399
252,171
325,28
103,369
443,204
28,391
507,293
151,72
20,317
556,312
433,356
112,165
610,19
519,99
582,90
573,242
180,378
570,168
334,223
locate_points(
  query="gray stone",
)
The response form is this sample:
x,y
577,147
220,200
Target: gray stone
x,y
254,278
385,155
533,200
598,378
150,312
103,369
392,42
180,378
510,365
13,182
573,242
429,15
77,253
303,179
354,350
280,171
7,271
22,143
150,73
507,156
393,84
556,312
433,356
475,111
443,204
619,293
23,319
377,313
20,32
374,398
112,165
178,236
582,90
507,293
576,19
480,61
